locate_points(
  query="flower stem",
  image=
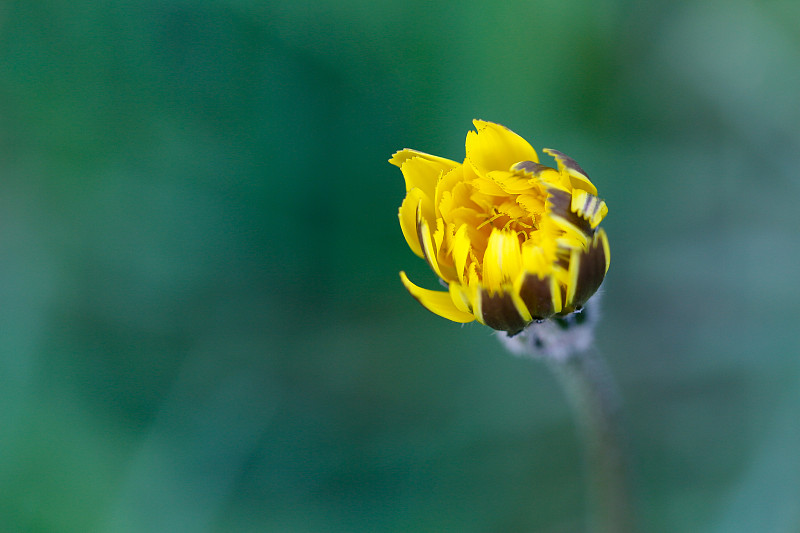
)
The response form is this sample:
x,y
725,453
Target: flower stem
x,y
593,396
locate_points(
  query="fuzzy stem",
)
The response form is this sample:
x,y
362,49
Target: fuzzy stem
x,y
593,396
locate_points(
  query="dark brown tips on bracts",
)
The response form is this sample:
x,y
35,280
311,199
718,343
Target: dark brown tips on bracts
x,y
561,203
591,271
529,167
567,161
499,312
538,297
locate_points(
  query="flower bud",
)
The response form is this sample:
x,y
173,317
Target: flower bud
x,y
514,241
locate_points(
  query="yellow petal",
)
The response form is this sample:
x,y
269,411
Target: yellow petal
x,y
502,261
603,238
559,205
441,241
474,290
422,174
488,186
408,219
437,302
495,147
401,156
455,201
512,209
535,260
558,303
577,176
511,182
427,243
460,295
533,203
572,280
552,177
445,189
461,246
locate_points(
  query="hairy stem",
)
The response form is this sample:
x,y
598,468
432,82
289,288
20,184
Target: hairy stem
x,y
593,396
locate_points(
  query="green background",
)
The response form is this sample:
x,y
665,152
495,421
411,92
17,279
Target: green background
x,y
202,327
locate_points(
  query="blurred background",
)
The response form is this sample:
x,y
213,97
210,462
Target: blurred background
x,y
202,326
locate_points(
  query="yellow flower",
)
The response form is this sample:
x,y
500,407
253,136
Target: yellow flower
x,y
514,241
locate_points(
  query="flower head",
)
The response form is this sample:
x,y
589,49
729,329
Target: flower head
x,y
515,241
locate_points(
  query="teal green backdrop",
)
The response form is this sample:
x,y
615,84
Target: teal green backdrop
x,y
202,327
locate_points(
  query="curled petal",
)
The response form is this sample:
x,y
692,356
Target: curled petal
x,y
408,219
461,249
442,240
401,156
421,174
427,243
412,204
495,147
437,302
462,298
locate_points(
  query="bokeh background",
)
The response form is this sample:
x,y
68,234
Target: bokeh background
x,y
201,322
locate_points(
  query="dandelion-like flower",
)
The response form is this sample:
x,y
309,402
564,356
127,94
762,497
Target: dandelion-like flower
x,y
515,241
